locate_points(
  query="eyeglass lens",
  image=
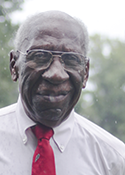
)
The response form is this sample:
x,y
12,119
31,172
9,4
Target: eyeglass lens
x,y
44,59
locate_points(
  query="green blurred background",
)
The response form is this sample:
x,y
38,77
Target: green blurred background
x,y
103,101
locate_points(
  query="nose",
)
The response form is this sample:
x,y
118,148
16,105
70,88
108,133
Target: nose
x,y
55,73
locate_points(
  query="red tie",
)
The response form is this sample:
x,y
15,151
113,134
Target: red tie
x,y
43,159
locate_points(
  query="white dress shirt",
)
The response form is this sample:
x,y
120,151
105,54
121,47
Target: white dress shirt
x,y
80,147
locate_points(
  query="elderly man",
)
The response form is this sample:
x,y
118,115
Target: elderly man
x,y
42,134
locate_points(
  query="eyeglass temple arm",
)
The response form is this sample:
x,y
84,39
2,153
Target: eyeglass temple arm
x,y
22,52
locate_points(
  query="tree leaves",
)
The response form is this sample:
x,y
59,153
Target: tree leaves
x,y
8,89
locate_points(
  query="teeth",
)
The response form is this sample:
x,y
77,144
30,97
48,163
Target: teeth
x,y
58,110
52,98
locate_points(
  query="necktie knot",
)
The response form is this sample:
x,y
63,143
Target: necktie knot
x,y
42,132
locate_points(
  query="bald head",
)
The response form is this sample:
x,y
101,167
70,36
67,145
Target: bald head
x,y
29,29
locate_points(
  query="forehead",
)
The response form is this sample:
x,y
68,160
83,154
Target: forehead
x,y
56,34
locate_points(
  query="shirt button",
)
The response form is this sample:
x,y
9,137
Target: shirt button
x,y
24,140
61,148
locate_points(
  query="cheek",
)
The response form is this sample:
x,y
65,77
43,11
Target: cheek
x,y
26,83
77,78
30,73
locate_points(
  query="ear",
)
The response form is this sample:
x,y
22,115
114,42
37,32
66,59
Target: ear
x,y
13,67
86,73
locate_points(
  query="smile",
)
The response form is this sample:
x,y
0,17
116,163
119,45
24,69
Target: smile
x,y
53,97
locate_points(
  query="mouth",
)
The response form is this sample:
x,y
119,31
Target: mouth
x,y
52,97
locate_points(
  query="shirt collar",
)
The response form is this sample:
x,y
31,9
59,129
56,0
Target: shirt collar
x,y
24,122
62,133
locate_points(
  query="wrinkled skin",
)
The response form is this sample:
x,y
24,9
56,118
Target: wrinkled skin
x,y
49,95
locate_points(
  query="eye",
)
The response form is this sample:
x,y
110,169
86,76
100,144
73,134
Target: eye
x,y
71,59
39,57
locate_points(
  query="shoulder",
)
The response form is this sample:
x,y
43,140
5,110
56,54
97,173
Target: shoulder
x,y
99,135
7,116
8,122
7,110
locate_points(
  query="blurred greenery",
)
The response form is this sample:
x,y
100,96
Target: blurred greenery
x,y
103,101
104,98
8,89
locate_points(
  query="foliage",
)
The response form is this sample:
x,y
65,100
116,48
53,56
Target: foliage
x,y
104,99
8,89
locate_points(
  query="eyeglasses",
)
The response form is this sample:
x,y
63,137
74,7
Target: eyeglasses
x,y
44,58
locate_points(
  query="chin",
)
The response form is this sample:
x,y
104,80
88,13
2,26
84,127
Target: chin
x,y
50,117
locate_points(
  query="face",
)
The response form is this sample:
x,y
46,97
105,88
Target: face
x,y
49,93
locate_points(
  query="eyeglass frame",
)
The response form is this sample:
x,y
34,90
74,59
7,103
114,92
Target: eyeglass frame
x,y
86,59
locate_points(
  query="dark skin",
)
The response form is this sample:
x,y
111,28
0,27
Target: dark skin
x,y
48,95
